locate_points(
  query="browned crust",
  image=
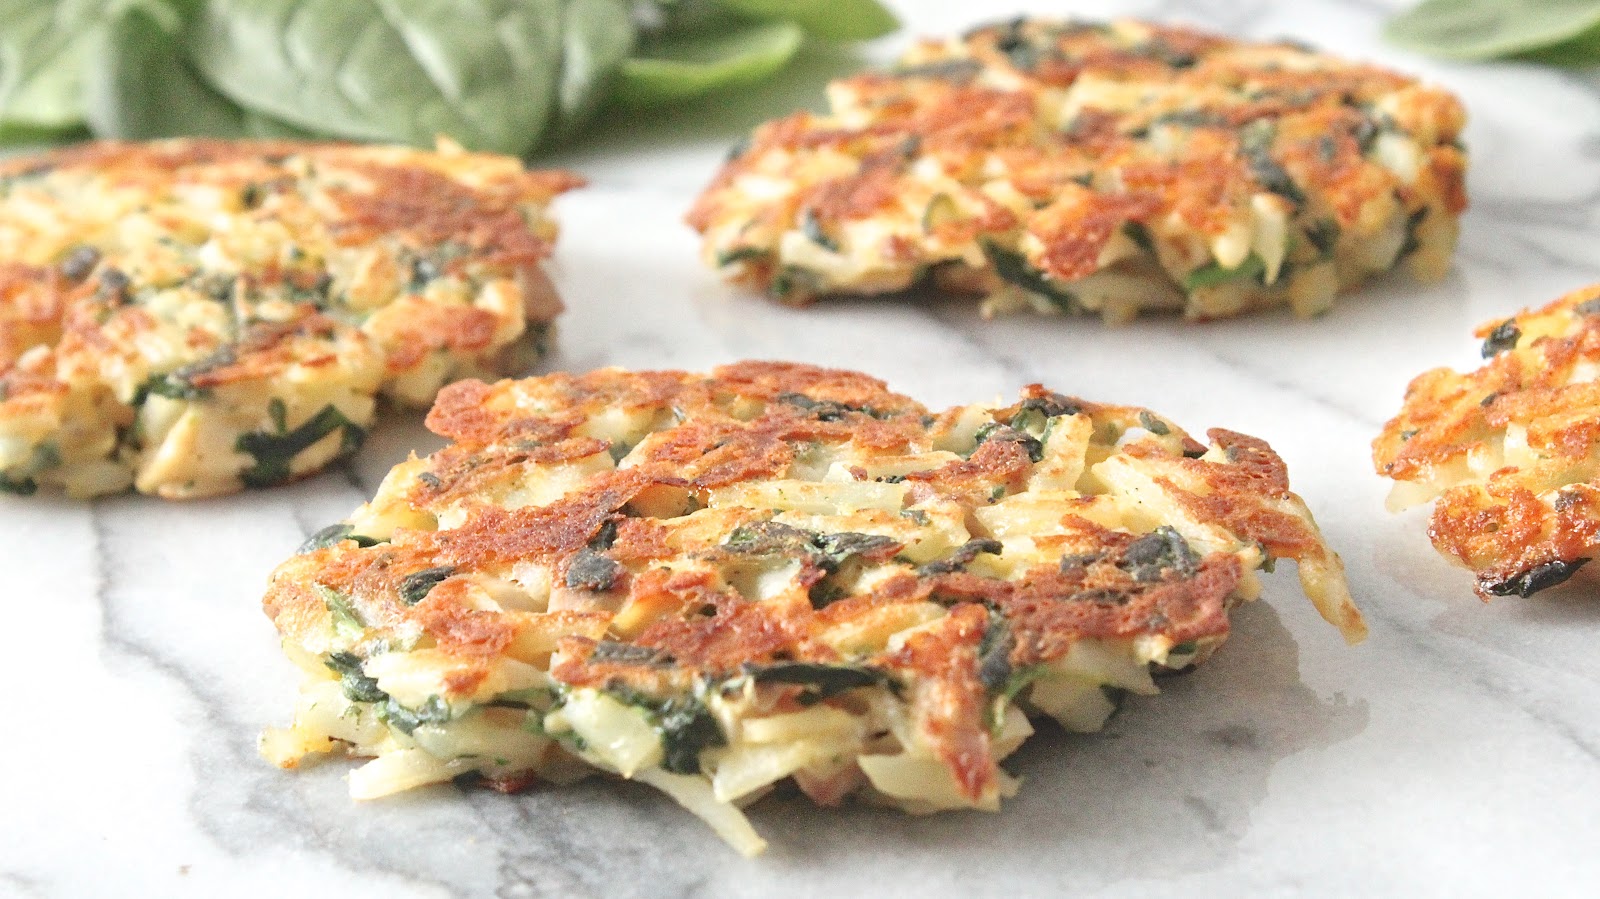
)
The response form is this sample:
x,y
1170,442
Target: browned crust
x,y
1521,518
745,423
897,119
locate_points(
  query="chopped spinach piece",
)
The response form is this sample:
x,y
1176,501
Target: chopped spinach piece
x,y
406,721
1539,577
1185,648
1587,307
357,686
332,534
824,680
917,516
687,727
415,587
431,479
114,285
792,279
1139,233
1151,556
1074,561
684,723
1014,269
811,227
1502,338
23,486
347,620
963,556
80,263
275,452
1255,144
741,254
994,653
1412,241
1154,425
590,570
839,547
822,410
1008,434
1212,274
1324,235
614,652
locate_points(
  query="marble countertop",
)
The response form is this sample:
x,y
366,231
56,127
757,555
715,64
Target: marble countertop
x,y
1456,752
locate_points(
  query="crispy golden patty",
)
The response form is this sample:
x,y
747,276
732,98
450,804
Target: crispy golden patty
x,y
190,317
1098,168
712,583
1511,451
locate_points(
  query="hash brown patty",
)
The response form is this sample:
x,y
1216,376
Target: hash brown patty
x,y
1511,451
191,317
712,583
1097,168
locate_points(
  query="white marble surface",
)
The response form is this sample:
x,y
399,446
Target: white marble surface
x,y
1457,752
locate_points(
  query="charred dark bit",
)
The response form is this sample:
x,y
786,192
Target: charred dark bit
x,y
1539,577
590,570
1502,338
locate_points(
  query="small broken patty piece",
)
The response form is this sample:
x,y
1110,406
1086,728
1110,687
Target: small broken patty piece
x,y
714,582
191,317
1511,451
1097,168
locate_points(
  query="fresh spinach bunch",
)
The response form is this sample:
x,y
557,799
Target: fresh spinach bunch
x,y
509,76
1556,32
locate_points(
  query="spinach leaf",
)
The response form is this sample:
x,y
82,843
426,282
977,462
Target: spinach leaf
x,y
681,67
140,84
43,50
1484,29
1013,268
834,20
488,74
357,686
825,680
596,37
415,587
274,453
1213,273
331,535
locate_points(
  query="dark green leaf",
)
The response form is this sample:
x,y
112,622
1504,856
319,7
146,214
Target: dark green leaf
x,y
1214,274
834,20
275,452
1013,268
994,653
347,620
826,680
679,68
488,74
44,47
356,685
415,587
404,720
17,486
961,558
1483,29
597,36
332,534
140,84
1150,557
